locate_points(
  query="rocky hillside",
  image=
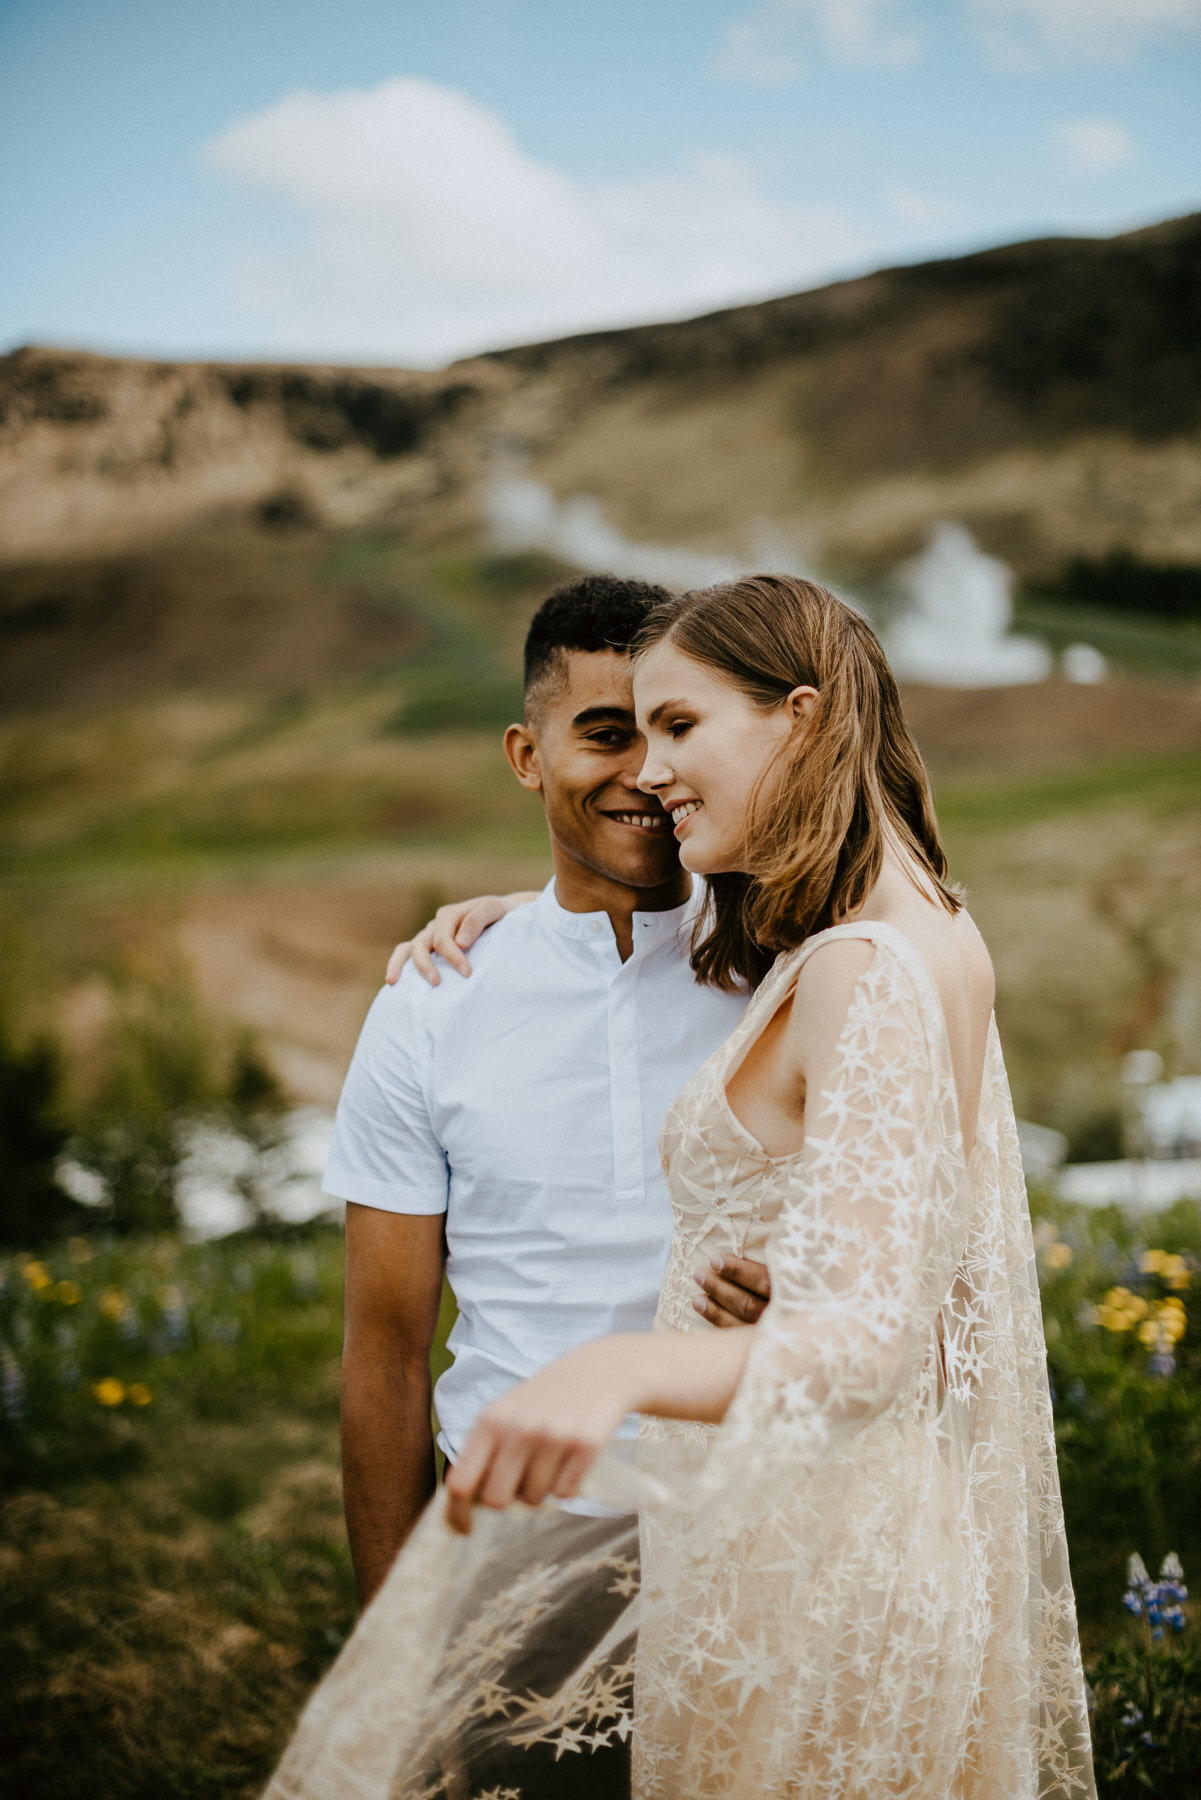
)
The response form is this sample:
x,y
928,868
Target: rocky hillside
x,y
1047,394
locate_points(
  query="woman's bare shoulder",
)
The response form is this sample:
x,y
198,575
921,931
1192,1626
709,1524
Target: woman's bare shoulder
x,y
822,998
967,945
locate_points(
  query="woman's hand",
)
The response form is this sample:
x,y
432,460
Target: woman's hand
x,y
452,930
543,1436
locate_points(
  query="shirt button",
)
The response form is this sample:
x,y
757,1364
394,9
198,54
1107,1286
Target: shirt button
x,y
596,925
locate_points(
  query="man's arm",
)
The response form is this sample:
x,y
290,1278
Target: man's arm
x,y
393,1287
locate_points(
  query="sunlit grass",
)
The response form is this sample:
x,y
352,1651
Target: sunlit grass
x,y
1157,785
1137,642
175,1573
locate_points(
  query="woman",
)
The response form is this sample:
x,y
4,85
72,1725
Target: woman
x,y
854,1571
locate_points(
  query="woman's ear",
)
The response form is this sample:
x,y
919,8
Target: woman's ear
x,y
800,704
521,748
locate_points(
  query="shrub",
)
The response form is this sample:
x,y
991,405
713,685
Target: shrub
x,y
166,1066
33,1135
100,1338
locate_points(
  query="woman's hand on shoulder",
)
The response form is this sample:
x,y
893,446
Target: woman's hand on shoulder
x,y
451,932
543,1436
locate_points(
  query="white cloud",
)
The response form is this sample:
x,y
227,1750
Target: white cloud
x,y
1022,31
926,212
431,232
764,47
1094,146
753,52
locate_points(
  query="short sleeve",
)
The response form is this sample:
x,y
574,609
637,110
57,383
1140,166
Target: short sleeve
x,y
385,1152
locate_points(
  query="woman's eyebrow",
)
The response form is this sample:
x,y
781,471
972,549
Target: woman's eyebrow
x,y
664,706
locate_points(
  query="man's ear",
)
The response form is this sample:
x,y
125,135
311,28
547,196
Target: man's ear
x,y
521,748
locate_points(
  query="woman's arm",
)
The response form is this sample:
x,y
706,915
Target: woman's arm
x,y
850,1248
542,1437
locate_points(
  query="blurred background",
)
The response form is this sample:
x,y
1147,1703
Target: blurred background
x,y
330,339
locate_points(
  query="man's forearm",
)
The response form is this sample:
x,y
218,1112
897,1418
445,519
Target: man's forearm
x,y
387,1459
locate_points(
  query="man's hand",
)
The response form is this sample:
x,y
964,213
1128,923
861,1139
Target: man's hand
x,y
453,929
734,1291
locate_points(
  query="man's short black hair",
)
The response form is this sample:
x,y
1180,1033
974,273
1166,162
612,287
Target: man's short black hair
x,y
593,612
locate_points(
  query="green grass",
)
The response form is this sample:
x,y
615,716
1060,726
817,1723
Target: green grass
x,y
1135,641
175,1574
1157,784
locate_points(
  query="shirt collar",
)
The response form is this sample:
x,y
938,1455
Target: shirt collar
x,y
649,927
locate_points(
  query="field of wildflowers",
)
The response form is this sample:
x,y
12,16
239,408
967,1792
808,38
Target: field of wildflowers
x,y
96,1335
174,1566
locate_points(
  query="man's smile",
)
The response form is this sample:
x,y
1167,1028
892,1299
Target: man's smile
x,y
643,821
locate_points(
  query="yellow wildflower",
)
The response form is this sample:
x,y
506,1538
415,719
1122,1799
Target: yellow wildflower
x,y
68,1293
1164,1327
1058,1255
80,1250
1171,1269
1172,1320
110,1391
113,1304
35,1274
1121,1309
140,1394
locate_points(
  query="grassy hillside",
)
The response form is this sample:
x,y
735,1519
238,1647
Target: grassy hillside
x,y
1046,394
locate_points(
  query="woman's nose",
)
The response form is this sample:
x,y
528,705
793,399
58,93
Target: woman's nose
x,y
653,774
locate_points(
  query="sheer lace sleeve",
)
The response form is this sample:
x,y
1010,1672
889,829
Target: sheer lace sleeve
x,y
869,1235
869,1594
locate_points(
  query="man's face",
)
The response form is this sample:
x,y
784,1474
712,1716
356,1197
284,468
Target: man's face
x,y
586,752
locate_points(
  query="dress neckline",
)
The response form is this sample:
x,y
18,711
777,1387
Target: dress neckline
x,y
874,930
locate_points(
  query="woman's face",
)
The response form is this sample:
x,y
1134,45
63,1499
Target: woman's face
x,y
707,746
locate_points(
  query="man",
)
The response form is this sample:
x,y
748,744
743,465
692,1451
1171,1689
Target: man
x,y
508,1124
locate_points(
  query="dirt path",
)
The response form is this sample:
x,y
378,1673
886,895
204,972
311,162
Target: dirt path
x,y
300,960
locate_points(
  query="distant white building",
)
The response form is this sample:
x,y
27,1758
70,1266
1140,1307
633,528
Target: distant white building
x,y
1171,1117
1163,1142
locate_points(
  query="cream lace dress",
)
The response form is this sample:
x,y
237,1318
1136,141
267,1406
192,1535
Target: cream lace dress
x,y
857,1587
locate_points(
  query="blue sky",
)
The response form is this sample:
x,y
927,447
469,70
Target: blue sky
x,y
405,180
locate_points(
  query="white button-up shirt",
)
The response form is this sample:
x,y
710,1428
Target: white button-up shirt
x,y
525,1104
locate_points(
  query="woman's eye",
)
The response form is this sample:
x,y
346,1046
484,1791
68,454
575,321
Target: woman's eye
x,y
679,727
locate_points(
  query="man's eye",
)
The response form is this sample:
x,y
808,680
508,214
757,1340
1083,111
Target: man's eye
x,y
608,740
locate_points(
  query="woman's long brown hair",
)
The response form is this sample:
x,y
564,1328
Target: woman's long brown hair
x,y
815,837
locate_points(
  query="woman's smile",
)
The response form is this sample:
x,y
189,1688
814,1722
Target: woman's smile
x,y
682,811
